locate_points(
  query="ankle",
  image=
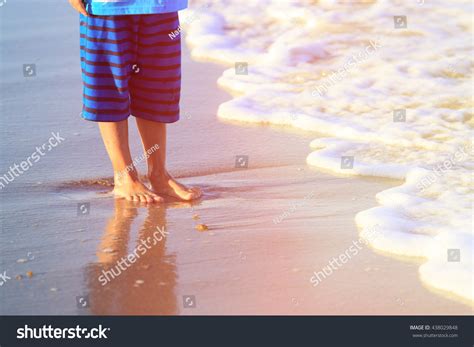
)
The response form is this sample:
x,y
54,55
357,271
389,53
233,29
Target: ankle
x,y
125,176
158,174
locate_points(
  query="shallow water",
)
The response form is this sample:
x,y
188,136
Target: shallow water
x,y
43,229
41,221
392,97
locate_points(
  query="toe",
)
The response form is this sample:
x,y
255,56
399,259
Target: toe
x,y
148,198
156,198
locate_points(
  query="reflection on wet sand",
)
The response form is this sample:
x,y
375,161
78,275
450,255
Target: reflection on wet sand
x,y
135,279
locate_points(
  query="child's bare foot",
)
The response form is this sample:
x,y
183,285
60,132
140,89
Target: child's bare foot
x,y
132,189
167,185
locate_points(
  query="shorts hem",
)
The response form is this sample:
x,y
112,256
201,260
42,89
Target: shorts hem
x,y
158,119
104,119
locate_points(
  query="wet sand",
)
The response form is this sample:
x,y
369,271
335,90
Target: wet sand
x,y
247,262
271,225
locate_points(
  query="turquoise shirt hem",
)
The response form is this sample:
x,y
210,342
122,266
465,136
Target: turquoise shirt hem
x,y
116,9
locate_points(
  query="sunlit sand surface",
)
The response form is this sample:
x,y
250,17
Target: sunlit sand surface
x,y
271,223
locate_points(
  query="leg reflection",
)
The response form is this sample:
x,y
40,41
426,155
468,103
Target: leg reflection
x,y
135,279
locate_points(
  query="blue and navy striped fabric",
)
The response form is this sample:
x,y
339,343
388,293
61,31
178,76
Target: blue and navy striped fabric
x,y
121,7
131,65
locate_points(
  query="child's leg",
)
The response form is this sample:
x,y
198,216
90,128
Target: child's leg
x,y
107,53
155,88
152,134
127,184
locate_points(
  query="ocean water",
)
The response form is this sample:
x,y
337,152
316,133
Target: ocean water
x,y
386,86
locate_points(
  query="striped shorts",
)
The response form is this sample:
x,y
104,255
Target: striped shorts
x,y
131,65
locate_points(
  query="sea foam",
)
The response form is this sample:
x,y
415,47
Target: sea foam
x,y
394,94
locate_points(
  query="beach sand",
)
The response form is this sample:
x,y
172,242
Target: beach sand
x,y
270,226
